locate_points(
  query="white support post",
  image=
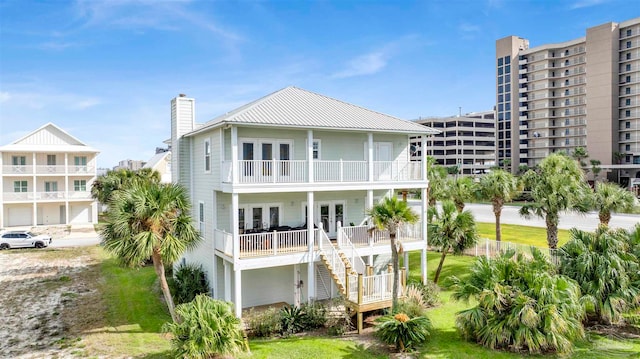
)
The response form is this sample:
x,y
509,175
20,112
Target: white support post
x,y
311,281
424,201
297,291
423,158
237,286
310,156
234,155
369,199
67,185
235,225
213,281
405,262
275,243
35,192
423,265
227,281
370,156
310,207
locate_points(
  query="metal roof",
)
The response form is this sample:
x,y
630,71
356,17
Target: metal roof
x,y
298,108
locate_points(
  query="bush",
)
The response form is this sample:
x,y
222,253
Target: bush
x,y
291,320
430,292
189,281
605,266
339,319
264,324
314,316
208,328
522,305
403,332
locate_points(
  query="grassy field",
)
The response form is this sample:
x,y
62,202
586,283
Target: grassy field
x,y
534,236
135,314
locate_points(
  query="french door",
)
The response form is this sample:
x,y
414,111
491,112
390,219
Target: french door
x,y
329,214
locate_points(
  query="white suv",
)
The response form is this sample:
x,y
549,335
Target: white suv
x,y
23,239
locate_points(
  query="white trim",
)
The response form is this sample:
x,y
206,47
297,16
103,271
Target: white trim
x,y
202,220
266,219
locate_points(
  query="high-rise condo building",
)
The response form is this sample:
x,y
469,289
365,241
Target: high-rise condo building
x,y
579,93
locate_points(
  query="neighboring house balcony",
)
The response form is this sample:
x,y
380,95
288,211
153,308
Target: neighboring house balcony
x,y
46,196
291,171
19,170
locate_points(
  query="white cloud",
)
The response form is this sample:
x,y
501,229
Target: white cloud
x,y
366,64
48,99
586,3
469,28
4,97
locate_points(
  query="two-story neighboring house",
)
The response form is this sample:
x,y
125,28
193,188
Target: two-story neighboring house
x,y
45,179
280,189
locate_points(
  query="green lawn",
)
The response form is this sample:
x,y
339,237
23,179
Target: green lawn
x,y
134,312
534,236
309,348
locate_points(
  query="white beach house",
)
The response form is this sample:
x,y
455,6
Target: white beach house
x,y
45,179
280,189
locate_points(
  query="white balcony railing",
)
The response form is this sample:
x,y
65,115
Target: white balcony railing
x,y
296,171
47,169
46,196
363,236
273,243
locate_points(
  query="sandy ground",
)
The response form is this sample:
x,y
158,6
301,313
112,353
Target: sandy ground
x,y
40,294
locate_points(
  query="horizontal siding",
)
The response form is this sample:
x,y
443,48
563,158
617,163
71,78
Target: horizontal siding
x,y
268,285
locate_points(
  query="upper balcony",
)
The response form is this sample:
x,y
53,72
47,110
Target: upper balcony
x,y
292,171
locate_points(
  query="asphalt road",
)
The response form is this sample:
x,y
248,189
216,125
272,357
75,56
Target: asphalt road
x,y
510,215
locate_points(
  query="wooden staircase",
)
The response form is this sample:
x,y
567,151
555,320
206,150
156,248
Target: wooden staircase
x,y
363,291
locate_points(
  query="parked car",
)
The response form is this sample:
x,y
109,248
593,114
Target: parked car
x,y
23,239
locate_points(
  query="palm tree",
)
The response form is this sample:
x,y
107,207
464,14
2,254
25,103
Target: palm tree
x,y
498,187
208,329
461,190
391,215
609,197
579,154
522,304
595,169
104,186
557,185
451,231
605,265
150,220
437,176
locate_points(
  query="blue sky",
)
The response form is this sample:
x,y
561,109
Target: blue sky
x,y
105,71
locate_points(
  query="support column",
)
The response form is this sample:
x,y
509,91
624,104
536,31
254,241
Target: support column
x,y
237,288
235,225
310,156
423,157
369,199
213,281
405,262
227,281
234,155
370,156
67,185
297,290
311,236
35,192
423,217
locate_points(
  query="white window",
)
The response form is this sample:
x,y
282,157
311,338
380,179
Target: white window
x,y
80,160
316,149
201,216
207,155
51,160
51,186
19,186
80,185
19,160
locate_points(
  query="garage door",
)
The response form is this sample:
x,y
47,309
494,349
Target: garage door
x,y
19,216
80,214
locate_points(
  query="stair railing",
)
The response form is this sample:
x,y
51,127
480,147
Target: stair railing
x,y
338,267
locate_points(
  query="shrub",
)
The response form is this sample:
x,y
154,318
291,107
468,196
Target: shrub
x,y
314,316
522,305
208,328
339,319
189,280
264,324
430,292
403,332
605,266
291,320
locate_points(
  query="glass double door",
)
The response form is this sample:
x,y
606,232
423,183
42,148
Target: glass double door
x,y
266,151
329,214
